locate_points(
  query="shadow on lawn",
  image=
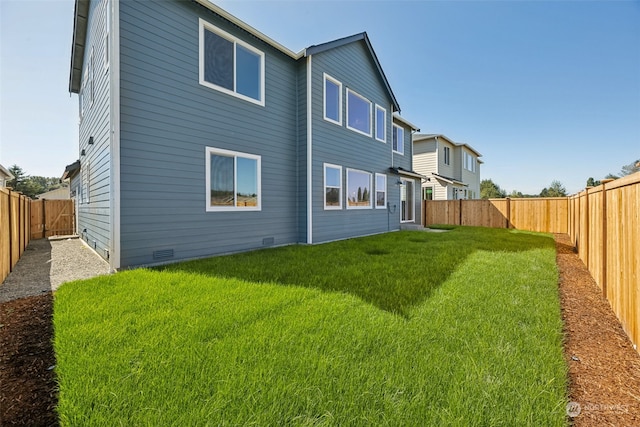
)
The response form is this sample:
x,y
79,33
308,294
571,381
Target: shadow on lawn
x,y
393,271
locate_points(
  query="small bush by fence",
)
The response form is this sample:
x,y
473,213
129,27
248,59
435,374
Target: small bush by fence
x,y
603,223
15,221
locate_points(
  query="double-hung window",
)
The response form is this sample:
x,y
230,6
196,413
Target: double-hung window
x,y
447,156
332,186
229,65
358,189
358,113
469,162
332,100
398,139
233,181
381,191
381,124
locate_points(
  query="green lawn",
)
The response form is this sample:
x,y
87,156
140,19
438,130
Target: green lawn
x,y
407,328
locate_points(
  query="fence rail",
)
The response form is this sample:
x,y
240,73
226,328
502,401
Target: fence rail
x,y
52,218
603,223
15,215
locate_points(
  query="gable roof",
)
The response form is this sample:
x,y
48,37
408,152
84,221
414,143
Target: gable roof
x,y
81,13
423,136
312,50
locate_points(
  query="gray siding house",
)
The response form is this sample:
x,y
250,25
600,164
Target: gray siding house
x,y
200,136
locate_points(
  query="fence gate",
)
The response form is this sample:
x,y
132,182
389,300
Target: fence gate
x,y
52,218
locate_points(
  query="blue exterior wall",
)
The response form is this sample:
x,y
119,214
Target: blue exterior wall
x,y
353,66
167,120
93,185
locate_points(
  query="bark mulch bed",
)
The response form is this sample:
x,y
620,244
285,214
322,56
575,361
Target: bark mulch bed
x,y
604,369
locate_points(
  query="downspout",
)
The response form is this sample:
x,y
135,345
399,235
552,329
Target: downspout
x,y
309,153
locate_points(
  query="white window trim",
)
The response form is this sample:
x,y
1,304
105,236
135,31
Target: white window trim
x,y
412,206
384,131
235,154
324,187
446,158
397,151
236,41
107,28
375,202
324,96
370,188
370,115
91,78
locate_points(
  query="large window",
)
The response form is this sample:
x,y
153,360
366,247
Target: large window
x,y
332,100
381,191
332,186
358,113
447,156
398,139
381,124
230,65
358,189
233,180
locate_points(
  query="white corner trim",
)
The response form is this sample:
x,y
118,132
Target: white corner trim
x,y
309,152
114,113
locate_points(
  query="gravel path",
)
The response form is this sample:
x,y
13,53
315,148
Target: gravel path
x,y
48,263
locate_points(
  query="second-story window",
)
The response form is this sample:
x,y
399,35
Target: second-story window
x,y
398,139
358,113
381,124
229,65
469,162
332,100
447,156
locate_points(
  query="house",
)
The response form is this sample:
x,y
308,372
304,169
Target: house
x,y
61,193
452,169
5,176
199,135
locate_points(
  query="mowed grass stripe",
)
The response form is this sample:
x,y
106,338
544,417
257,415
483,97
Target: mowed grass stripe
x,y
480,344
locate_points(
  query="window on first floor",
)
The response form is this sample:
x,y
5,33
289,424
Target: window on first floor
x,y
427,193
358,189
332,186
398,139
229,65
358,113
381,191
406,200
233,181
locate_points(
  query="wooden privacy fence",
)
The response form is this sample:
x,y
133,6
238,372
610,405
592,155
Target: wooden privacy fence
x,y
15,215
548,214
52,218
604,225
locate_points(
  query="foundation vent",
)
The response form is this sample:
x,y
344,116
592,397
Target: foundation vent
x,y
268,241
163,254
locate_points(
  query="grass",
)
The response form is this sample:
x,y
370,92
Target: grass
x,y
409,328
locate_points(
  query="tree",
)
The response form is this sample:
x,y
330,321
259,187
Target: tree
x,y
31,186
592,182
491,190
359,199
556,189
632,167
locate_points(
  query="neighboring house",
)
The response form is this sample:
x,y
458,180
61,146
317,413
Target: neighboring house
x,y
5,176
61,193
452,169
199,136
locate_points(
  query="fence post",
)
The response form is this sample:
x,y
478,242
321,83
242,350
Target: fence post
x,y
508,221
460,213
44,219
586,229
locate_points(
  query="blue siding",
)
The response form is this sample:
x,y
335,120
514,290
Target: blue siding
x,y
167,120
352,65
94,216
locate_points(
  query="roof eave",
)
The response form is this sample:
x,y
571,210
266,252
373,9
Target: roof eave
x,y
248,28
312,50
81,14
399,118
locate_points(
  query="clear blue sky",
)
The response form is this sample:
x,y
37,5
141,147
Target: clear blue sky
x,y
545,90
